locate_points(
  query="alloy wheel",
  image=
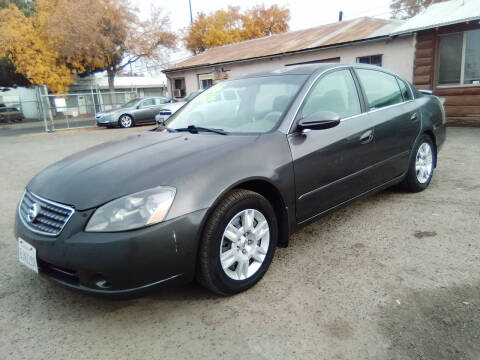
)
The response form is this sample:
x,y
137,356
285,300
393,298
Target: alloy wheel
x,y
126,121
244,244
424,163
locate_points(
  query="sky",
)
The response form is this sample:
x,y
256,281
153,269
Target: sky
x,y
303,13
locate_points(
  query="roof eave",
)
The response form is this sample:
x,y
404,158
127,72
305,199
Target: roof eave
x,y
428,27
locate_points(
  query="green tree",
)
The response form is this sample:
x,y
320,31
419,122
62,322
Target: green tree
x,y
9,77
27,7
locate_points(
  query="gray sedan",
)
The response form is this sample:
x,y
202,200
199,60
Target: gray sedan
x,y
133,112
212,193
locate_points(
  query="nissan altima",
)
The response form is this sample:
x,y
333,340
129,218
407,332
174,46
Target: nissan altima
x,y
134,112
210,195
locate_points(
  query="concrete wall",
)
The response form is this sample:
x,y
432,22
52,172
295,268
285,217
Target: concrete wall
x,y
397,56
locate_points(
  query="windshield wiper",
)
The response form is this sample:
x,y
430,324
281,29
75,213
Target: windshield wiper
x,y
196,129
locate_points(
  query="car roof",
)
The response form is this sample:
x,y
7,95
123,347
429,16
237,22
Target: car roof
x,y
309,69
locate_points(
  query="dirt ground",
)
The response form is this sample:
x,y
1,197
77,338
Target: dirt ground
x,y
394,276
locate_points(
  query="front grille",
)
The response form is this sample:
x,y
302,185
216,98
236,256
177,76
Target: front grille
x,y
46,217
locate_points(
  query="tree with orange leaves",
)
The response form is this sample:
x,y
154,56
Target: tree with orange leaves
x,y
231,25
65,37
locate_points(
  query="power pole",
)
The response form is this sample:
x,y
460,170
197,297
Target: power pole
x,y
190,6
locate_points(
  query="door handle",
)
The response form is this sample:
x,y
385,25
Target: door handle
x,y
366,137
414,117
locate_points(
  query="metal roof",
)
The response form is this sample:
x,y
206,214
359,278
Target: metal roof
x,y
441,14
295,41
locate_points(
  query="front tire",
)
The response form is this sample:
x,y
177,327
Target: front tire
x,y
125,121
422,165
238,243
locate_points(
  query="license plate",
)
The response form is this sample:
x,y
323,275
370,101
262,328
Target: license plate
x,y
27,255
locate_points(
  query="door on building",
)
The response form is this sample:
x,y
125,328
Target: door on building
x,y
82,104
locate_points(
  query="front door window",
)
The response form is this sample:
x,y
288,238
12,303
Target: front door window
x,y
335,92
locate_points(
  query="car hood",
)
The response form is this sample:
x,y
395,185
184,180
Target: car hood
x,y
108,171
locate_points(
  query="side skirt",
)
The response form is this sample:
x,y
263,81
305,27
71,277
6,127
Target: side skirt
x,y
345,203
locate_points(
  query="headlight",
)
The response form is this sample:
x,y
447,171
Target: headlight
x,y
134,211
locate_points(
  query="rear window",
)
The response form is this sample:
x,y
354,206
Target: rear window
x,y
405,90
381,89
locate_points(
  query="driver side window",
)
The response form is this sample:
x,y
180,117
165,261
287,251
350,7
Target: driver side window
x,y
335,92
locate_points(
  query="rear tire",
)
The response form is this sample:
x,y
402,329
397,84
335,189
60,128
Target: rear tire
x,y
238,243
422,165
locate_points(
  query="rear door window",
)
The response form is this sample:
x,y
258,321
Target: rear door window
x,y
381,89
335,92
405,90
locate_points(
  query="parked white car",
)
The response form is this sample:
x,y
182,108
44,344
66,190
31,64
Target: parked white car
x,y
167,111
224,104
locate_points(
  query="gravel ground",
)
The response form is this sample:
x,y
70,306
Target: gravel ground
x,y
394,276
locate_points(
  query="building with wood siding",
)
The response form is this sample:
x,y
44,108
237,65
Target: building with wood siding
x,y
447,56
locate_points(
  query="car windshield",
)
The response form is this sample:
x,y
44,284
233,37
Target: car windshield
x,y
253,105
131,103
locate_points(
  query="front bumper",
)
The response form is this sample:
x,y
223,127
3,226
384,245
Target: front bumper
x,y
121,262
105,120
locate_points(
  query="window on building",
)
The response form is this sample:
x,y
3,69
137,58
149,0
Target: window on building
x,y
458,58
206,83
179,88
380,88
370,59
205,80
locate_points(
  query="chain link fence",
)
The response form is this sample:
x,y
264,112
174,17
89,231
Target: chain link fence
x,y
67,111
18,105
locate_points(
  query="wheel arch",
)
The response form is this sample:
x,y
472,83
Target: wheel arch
x,y
431,135
275,198
271,193
128,114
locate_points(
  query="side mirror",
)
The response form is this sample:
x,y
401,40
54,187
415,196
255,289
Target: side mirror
x,y
160,120
319,120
